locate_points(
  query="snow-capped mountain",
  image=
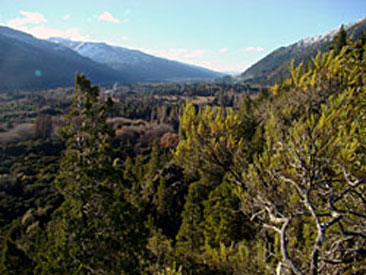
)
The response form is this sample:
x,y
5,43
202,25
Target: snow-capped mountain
x,y
30,63
276,64
328,37
104,53
146,67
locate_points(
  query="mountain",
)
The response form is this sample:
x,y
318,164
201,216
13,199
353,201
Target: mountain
x,y
127,61
30,63
275,65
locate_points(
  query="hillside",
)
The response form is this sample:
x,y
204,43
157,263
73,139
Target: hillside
x,y
30,63
226,183
146,67
275,65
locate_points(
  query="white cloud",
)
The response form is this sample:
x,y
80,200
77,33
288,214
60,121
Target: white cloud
x,y
106,16
223,50
123,38
195,54
198,57
190,56
28,18
253,49
66,16
44,32
177,53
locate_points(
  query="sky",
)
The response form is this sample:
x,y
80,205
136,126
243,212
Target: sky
x,y
223,35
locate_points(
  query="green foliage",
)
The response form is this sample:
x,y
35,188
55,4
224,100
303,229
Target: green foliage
x,y
190,237
339,41
154,164
171,270
276,66
305,186
274,184
92,230
209,142
224,223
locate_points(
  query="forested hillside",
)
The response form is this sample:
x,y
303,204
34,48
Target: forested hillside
x,y
274,184
276,65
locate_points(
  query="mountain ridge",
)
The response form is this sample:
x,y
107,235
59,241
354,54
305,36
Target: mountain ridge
x,y
277,63
29,63
148,67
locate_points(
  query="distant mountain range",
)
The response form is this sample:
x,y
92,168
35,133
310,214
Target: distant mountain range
x,y
30,63
136,63
269,69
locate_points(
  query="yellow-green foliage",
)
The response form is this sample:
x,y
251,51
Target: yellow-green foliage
x,y
327,72
209,140
171,270
276,187
314,155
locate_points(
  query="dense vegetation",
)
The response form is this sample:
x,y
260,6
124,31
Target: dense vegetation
x,y
272,183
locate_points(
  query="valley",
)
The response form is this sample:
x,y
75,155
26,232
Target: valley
x,y
116,161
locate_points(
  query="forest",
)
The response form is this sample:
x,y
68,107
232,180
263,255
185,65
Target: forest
x,y
210,178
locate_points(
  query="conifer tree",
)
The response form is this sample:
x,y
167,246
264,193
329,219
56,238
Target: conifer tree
x,y
339,41
190,236
91,231
209,143
308,183
223,222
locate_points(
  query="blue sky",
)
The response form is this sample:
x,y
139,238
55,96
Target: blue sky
x,y
225,35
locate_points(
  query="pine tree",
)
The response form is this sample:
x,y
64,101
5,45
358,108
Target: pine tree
x,y
339,41
223,222
91,231
305,186
209,143
190,236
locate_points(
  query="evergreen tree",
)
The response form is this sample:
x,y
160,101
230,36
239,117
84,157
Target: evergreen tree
x,y
223,222
92,231
339,41
209,144
305,186
190,236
